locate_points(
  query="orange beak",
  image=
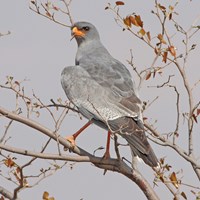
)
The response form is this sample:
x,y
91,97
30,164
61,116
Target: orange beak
x,y
77,32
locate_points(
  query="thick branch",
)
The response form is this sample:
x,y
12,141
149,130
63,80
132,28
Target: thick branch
x,y
109,164
6,193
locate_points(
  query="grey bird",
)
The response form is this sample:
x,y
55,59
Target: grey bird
x,y
102,89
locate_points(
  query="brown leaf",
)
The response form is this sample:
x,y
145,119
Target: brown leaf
x,y
133,20
142,32
33,2
162,179
171,8
148,76
195,118
198,112
165,57
9,162
172,51
174,179
127,21
139,21
17,83
160,37
161,7
149,36
183,195
45,196
156,51
119,3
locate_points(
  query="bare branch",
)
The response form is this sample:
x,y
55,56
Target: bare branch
x,y
7,194
67,4
36,9
111,164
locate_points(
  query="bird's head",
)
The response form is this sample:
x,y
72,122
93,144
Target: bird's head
x,y
84,32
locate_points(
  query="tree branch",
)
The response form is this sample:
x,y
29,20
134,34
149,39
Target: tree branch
x,y
109,164
7,194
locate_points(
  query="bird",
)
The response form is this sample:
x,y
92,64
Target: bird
x,y
104,92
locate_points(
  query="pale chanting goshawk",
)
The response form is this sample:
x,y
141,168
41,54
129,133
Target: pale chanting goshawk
x,y
102,89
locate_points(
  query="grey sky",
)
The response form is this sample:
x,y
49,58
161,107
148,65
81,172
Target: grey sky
x,y
39,49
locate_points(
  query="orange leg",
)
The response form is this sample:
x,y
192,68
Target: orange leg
x,y
73,137
107,153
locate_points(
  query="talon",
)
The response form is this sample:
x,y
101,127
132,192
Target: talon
x,y
106,155
71,139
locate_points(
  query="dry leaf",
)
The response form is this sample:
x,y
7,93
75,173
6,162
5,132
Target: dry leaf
x,y
156,51
161,7
149,36
17,83
160,37
172,51
148,76
119,3
139,21
161,178
9,162
165,57
142,32
183,195
133,20
174,179
33,2
127,21
45,196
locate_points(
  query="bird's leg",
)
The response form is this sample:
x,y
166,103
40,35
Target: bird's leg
x,y
107,153
73,137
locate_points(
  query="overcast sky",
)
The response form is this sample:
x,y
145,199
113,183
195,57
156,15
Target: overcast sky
x,y
38,49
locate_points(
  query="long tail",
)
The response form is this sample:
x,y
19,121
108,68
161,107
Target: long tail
x,y
134,133
148,156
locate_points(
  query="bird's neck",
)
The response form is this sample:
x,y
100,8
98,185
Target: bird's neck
x,y
88,48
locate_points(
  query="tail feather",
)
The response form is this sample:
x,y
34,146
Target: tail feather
x,y
148,157
133,132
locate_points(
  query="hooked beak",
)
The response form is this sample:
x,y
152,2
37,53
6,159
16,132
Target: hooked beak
x,y
77,33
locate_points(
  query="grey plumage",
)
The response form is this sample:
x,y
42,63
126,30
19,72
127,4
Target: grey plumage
x,y
102,89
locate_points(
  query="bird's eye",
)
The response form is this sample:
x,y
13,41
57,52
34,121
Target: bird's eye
x,y
86,28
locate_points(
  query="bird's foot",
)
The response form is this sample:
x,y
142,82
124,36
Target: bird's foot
x,y
71,139
106,155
